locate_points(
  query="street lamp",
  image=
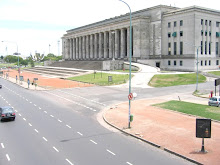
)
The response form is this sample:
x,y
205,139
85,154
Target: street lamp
x,y
197,63
17,55
58,45
130,45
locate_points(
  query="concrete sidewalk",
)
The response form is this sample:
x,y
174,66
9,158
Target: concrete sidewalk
x,y
168,130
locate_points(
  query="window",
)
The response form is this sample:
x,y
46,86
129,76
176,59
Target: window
x,y
210,23
205,33
169,62
209,62
205,47
174,63
174,34
169,48
217,62
181,63
201,32
174,24
181,33
201,47
169,35
181,48
174,48
217,24
209,47
205,62
201,63
205,22
169,24
181,22
201,21
210,33
216,48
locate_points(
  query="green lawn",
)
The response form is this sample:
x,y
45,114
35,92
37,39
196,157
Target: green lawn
x,y
102,78
217,73
165,80
192,108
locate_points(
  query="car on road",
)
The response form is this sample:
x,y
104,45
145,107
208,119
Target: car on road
x,y
214,101
0,86
7,113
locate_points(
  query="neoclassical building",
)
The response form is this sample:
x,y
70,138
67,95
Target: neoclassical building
x,y
162,36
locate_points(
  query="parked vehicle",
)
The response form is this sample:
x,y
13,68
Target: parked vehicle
x,y
0,86
7,113
214,101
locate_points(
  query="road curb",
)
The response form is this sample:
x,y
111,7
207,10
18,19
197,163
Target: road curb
x,y
151,143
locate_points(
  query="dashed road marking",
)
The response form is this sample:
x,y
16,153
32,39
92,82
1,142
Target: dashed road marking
x,y
36,130
19,114
24,119
80,133
51,116
69,162
30,124
2,145
93,141
129,163
45,111
45,139
7,156
110,152
59,120
55,149
68,126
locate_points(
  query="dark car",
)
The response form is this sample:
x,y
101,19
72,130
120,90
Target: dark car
x,y
7,113
0,86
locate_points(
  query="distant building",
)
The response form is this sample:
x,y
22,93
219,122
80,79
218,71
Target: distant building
x,y
162,36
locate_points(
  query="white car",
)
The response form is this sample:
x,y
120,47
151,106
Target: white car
x,y
214,101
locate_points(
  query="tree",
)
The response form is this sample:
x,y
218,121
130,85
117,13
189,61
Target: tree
x,y
2,57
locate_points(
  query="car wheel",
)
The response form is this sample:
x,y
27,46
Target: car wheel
x,y
13,119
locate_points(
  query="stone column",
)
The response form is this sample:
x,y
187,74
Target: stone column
x,y
80,48
67,49
87,47
122,55
74,48
100,46
96,46
91,46
128,42
77,48
63,48
105,45
71,49
83,47
110,44
117,47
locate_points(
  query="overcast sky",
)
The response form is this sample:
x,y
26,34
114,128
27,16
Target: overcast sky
x,y
33,25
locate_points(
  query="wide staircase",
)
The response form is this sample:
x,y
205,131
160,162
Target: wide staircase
x,y
56,72
84,65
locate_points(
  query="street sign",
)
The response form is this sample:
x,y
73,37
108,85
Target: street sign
x,y
203,128
130,96
217,82
109,78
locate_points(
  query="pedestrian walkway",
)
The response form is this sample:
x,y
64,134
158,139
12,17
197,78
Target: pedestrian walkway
x,y
169,130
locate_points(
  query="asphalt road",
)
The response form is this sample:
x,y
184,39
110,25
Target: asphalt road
x,y
60,127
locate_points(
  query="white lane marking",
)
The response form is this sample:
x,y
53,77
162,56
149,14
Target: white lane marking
x,y
6,102
2,145
45,111
39,107
7,156
19,114
26,99
35,105
16,111
68,126
30,124
45,139
80,133
129,163
24,119
93,141
55,149
51,116
110,152
9,104
59,120
36,130
30,102
69,162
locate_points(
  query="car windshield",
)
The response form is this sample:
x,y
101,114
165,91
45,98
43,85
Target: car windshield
x,y
8,110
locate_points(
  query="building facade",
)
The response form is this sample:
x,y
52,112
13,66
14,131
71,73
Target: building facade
x,y
162,36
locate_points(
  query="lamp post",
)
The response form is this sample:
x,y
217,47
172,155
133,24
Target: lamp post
x,y
17,55
130,45
58,45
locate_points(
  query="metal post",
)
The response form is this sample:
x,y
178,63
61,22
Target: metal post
x,y
129,112
197,70
203,147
